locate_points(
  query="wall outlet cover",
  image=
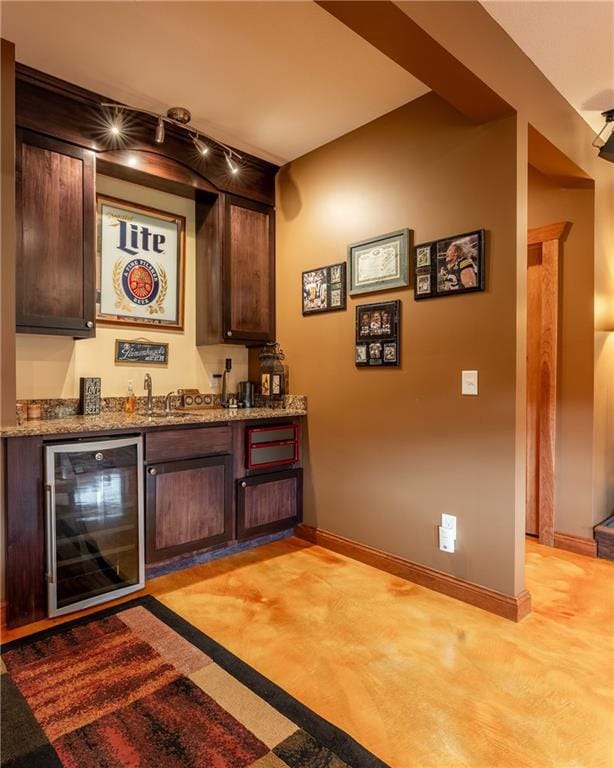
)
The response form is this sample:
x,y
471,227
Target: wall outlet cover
x,y
446,540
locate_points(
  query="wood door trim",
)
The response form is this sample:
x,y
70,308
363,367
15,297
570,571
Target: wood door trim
x,y
558,231
507,606
550,238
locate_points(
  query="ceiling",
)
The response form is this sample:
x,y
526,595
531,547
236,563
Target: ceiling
x,y
280,78
273,78
572,42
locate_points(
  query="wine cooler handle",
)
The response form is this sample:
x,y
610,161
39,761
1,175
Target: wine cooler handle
x,y
51,557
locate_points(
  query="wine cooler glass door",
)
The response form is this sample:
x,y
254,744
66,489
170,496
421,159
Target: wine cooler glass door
x,y
94,522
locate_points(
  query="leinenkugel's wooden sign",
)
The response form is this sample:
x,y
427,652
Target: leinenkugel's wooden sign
x,y
140,351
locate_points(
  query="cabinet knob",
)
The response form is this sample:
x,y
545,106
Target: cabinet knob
x,y
90,324
228,333
153,471
244,484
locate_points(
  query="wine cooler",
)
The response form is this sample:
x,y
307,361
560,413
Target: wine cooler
x,y
94,514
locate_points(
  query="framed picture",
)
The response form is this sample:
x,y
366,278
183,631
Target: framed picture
x,y
378,328
139,265
449,266
324,289
379,264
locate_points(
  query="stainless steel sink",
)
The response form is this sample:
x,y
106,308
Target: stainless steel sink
x,y
169,414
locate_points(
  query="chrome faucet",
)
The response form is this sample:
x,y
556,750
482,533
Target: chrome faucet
x,y
147,386
168,401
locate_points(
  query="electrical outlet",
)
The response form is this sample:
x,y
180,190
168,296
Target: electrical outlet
x,y
446,539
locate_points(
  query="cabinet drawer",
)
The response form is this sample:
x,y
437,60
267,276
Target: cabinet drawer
x,y
268,503
185,443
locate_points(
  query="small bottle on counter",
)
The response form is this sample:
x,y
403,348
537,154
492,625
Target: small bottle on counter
x,y
130,404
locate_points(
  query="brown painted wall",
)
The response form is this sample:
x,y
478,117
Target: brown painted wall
x,y
547,204
390,450
471,35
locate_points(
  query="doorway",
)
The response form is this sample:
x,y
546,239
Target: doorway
x,y
543,256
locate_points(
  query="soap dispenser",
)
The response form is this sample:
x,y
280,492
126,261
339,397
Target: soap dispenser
x,y
225,379
130,404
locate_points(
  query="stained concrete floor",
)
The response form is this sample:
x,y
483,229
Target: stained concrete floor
x,y
420,679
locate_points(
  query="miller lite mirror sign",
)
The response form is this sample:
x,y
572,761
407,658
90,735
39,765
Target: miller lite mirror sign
x,y
140,265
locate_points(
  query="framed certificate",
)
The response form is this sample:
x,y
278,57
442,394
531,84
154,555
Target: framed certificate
x,y
139,265
380,263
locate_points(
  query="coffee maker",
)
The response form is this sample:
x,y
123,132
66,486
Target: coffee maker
x,y
245,395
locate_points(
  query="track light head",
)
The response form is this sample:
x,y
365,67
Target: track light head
x,y
159,136
606,150
115,127
202,148
233,167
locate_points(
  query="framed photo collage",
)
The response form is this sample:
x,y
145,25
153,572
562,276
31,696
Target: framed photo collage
x,y
446,267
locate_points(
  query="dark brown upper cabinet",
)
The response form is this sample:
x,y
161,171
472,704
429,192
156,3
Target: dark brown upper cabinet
x,y
55,276
235,275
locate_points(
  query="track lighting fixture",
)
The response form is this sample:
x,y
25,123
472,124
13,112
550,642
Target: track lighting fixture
x,y
606,149
180,118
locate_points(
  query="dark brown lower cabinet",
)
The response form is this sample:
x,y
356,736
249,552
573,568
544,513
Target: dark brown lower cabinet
x,y
269,503
188,507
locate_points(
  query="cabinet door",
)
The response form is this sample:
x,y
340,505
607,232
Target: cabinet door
x,y
55,237
268,503
189,506
249,271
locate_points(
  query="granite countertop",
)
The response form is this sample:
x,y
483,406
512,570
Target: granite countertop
x,y
111,421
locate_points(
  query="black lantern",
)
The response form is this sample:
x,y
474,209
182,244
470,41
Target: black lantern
x,y
272,377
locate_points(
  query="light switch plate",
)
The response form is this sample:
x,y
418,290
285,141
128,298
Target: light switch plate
x,y
448,522
469,383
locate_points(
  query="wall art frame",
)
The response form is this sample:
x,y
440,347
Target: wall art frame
x,y
141,352
378,335
324,289
379,263
140,265
450,266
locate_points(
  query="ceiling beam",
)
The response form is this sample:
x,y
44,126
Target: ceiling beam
x,y
385,26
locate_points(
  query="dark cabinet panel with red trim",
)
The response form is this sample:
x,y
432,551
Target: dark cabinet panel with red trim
x,y
274,446
55,279
269,503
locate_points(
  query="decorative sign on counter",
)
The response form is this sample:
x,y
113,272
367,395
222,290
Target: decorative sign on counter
x,y
140,351
140,265
380,263
89,395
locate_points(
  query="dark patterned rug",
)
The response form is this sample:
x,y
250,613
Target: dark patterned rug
x,y
136,685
